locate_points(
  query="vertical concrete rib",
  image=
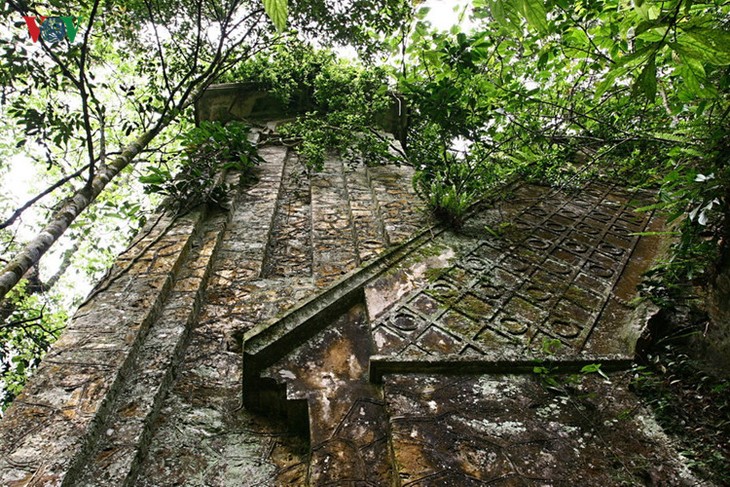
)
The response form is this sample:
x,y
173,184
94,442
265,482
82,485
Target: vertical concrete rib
x,y
70,397
126,435
289,249
202,435
400,209
332,229
367,220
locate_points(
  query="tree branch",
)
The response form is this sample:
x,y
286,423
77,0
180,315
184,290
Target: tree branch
x,y
16,214
84,95
65,264
36,248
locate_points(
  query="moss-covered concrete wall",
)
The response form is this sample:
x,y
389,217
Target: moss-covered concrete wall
x,y
147,376
395,348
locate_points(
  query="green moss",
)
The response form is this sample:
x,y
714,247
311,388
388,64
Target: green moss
x,y
432,250
472,306
434,273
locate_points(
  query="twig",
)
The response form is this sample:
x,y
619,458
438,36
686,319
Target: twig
x,y
32,201
26,320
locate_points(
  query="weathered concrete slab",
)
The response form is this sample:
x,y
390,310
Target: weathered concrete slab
x,y
51,429
512,430
542,277
519,282
291,236
201,435
114,461
401,353
237,101
547,271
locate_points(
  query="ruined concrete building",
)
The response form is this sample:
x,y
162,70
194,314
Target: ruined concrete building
x,y
325,332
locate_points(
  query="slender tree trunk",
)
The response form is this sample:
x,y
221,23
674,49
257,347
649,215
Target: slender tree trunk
x,y
34,250
36,285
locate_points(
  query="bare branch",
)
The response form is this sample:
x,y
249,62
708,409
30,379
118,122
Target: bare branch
x,y
160,52
46,192
84,95
13,324
65,264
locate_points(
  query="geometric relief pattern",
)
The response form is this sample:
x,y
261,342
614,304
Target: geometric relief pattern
x,y
548,277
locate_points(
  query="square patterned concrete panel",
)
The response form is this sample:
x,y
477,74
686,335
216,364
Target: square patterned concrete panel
x,y
560,275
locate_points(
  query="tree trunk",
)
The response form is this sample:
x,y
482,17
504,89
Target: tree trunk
x,y
34,250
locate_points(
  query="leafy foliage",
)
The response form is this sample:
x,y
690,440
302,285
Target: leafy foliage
x,y
449,181
32,322
342,101
363,25
558,91
347,101
457,137
208,150
689,403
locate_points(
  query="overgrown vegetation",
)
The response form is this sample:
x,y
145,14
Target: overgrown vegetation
x,y
548,91
688,402
208,151
32,321
341,101
556,92
636,92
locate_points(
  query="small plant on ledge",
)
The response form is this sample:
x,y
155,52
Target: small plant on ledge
x,y
208,151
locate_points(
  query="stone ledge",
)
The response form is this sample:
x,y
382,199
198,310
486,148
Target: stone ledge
x,y
266,343
118,453
381,365
247,101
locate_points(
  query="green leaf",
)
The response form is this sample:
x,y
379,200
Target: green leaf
x,y
151,179
693,74
655,34
609,81
496,8
648,25
278,11
593,369
646,11
710,46
646,82
637,57
534,12
590,368
671,137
